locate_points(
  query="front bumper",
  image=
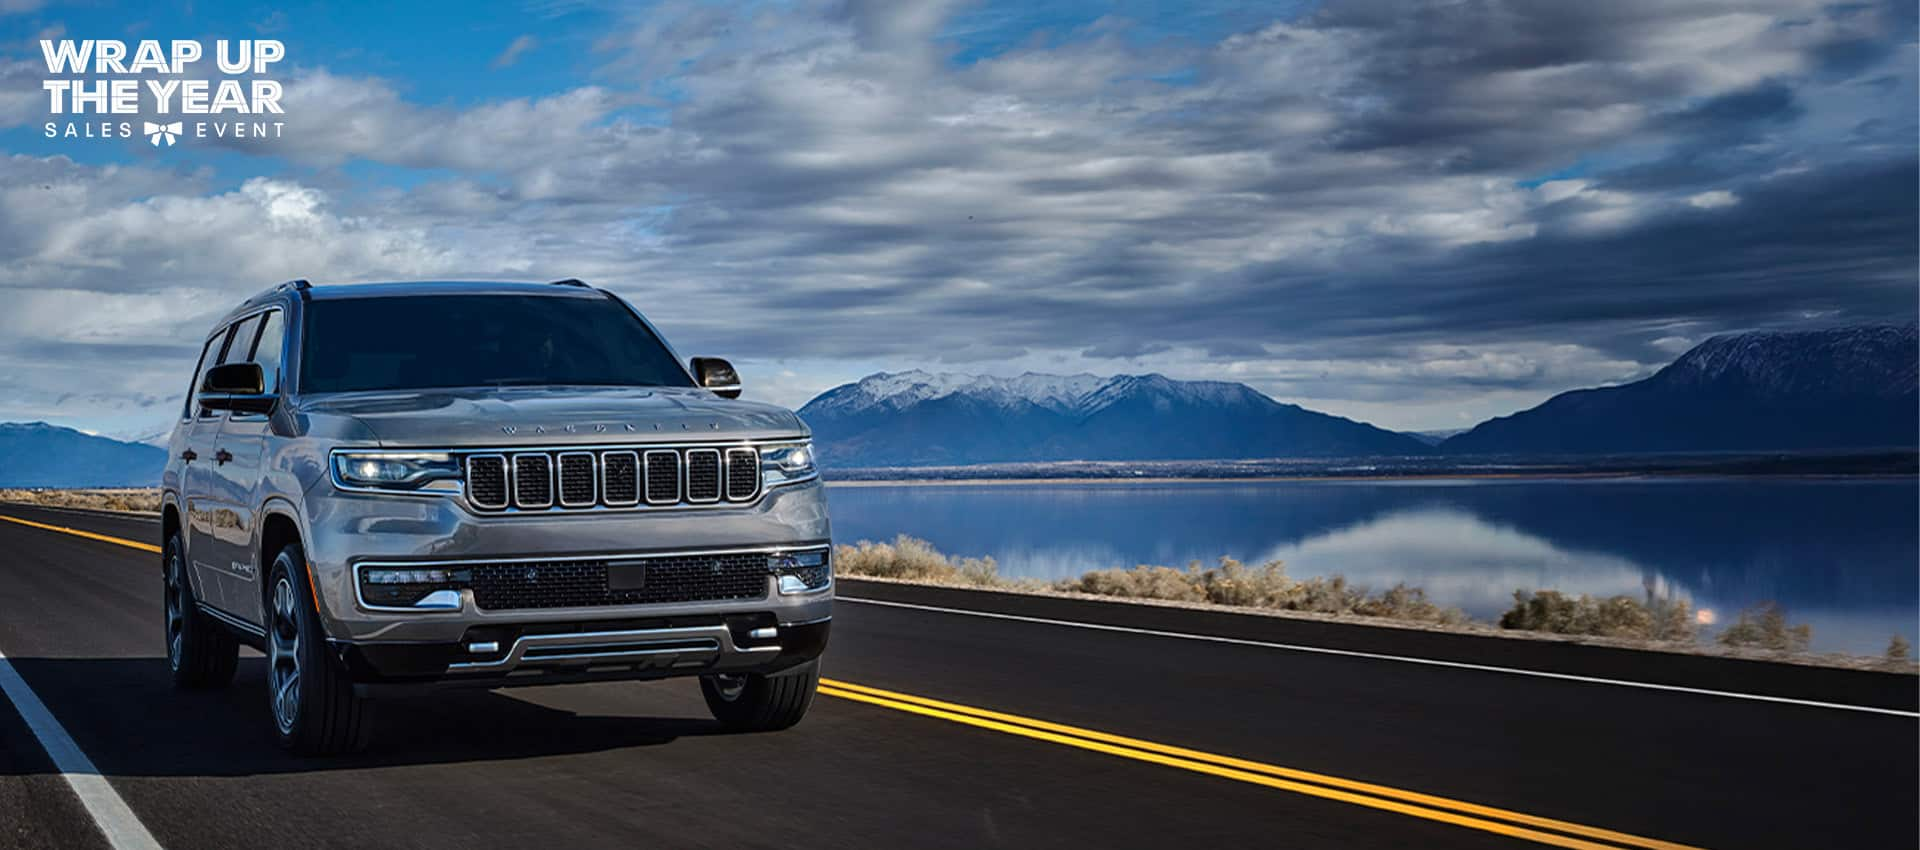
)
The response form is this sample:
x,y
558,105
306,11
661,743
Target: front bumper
x,y
346,530
506,656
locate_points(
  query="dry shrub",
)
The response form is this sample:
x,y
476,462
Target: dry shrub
x,y
1401,602
1898,650
137,500
912,558
1765,626
1264,586
1613,616
1141,582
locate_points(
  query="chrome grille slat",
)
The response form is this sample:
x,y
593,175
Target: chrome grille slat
x,y
663,477
576,477
743,474
703,475
532,480
487,481
620,478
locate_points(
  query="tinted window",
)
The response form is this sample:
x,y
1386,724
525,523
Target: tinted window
x,y
239,340
479,340
193,389
226,347
266,350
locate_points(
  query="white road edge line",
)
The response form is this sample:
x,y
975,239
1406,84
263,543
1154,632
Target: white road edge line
x,y
1350,653
122,829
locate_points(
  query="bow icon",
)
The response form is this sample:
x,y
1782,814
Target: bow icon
x,y
169,132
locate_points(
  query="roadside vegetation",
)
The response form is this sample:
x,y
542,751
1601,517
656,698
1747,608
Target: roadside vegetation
x,y
1654,621
138,499
1671,622
1651,619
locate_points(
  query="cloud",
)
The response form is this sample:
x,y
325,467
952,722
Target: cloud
x,y
1446,207
519,45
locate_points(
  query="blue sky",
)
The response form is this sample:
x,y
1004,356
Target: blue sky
x,y
1419,214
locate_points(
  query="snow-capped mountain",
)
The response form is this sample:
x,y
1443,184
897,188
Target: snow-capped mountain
x,y
36,454
1839,388
919,418
897,390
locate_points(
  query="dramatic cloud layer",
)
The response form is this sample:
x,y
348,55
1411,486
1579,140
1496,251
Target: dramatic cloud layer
x,y
1417,214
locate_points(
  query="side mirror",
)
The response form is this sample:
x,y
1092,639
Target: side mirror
x,y
717,375
239,387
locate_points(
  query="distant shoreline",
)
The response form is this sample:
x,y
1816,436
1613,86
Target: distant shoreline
x,y
1263,479
1858,465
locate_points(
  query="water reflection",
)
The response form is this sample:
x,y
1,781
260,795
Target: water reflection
x,y
1839,554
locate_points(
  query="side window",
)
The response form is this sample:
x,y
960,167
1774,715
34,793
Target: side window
x,y
226,346
266,350
240,340
193,389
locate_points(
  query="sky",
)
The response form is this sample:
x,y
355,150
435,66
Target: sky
x,y
1418,214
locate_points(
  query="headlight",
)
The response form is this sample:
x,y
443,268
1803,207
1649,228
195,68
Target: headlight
x,y
396,470
785,464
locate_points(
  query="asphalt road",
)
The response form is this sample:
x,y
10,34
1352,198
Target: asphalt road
x,y
1174,727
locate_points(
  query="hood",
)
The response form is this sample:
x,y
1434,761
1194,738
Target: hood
x,y
550,416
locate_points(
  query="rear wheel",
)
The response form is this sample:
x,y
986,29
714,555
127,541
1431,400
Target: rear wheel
x,y
200,652
315,711
751,702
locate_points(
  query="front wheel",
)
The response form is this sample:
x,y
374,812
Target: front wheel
x,y
315,710
751,702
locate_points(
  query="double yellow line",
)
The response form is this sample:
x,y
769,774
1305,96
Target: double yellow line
x,y
1558,833
1513,824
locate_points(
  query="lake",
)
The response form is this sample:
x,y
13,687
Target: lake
x,y
1838,553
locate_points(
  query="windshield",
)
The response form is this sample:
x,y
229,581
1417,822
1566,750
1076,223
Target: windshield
x,y
417,342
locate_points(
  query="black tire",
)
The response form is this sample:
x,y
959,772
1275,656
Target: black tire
x,y
321,715
752,702
201,652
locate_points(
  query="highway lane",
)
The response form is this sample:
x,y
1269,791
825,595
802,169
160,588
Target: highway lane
x,y
626,764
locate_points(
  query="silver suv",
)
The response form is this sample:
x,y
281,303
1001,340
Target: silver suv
x,y
396,487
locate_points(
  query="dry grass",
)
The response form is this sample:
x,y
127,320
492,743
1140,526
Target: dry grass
x,y
1264,586
1229,583
1654,619
1765,627
913,558
137,499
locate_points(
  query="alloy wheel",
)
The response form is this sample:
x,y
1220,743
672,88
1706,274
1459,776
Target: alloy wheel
x,y
176,610
283,656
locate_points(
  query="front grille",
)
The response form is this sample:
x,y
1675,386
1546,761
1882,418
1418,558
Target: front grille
x,y
703,475
576,480
487,481
576,584
580,479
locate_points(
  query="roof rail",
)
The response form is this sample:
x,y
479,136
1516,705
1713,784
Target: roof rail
x,y
297,284
572,281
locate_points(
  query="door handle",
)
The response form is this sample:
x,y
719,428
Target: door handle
x,y
222,456
189,455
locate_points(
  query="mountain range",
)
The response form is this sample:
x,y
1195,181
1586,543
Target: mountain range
x,y
1830,389
1853,387
36,454
1833,389
926,419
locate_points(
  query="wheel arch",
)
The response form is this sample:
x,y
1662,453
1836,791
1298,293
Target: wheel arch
x,y
169,521
279,528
